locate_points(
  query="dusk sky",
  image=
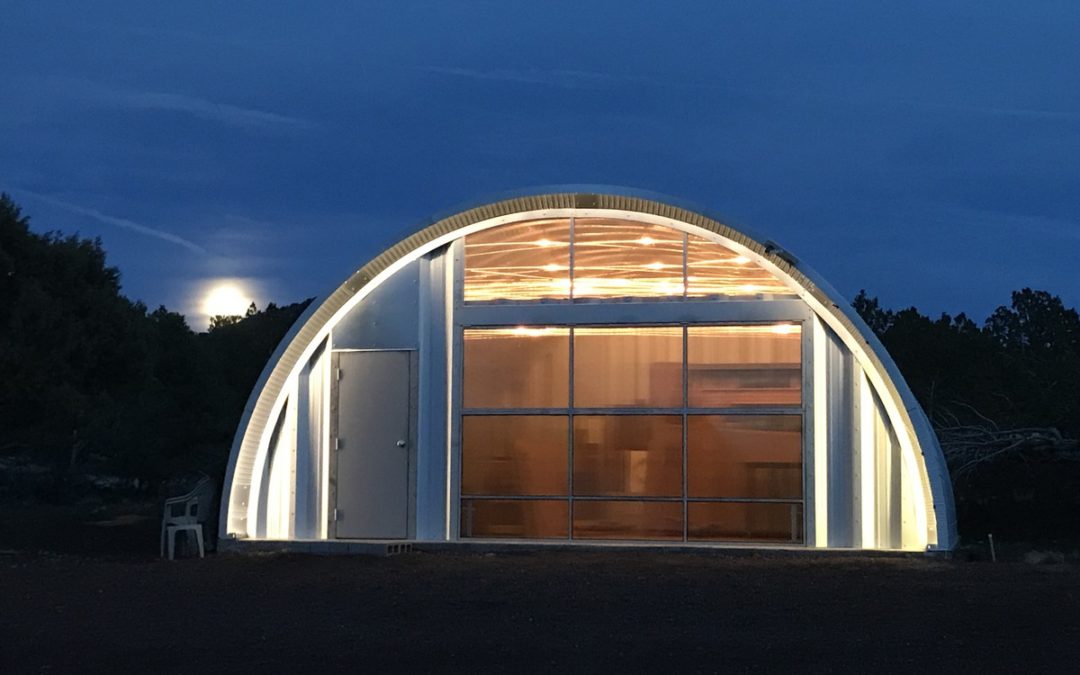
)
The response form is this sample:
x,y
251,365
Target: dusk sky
x,y
926,151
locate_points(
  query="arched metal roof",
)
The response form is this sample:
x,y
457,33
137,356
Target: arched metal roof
x,y
904,410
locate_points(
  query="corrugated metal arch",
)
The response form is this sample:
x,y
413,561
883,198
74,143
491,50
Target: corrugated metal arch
x,y
905,411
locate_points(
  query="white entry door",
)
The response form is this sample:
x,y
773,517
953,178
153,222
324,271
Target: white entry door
x,y
373,441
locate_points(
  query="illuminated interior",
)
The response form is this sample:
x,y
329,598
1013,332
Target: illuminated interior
x,y
630,436
603,258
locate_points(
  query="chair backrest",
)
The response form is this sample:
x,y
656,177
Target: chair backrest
x,y
196,506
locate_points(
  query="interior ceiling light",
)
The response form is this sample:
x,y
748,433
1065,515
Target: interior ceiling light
x,y
784,329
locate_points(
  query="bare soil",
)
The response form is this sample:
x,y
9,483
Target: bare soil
x,y
535,612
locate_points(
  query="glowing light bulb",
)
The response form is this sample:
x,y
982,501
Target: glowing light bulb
x,y
784,329
530,332
646,241
740,260
544,243
552,267
748,288
655,266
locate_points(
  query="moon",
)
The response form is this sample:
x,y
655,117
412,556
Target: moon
x,y
226,299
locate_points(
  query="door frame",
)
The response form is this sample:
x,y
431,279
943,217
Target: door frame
x,y
335,378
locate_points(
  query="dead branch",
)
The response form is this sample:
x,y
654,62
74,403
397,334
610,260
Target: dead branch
x,y
968,446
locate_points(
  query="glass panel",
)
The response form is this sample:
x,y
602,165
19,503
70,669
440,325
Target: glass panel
x,y
742,521
627,520
713,269
513,455
522,261
516,368
628,455
752,456
521,518
619,259
730,366
628,367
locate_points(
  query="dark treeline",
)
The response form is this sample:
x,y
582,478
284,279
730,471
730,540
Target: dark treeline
x,y
90,380
1004,398
1020,369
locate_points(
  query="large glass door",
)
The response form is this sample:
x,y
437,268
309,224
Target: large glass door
x,y
632,432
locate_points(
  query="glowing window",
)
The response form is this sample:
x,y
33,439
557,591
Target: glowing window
x,y
523,367
745,521
514,455
736,366
715,270
610,258
519,518
744,456
632,367
523,261
620,259
628,455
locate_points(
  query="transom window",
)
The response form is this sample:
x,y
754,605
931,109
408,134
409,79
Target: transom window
x,y
602,258
663,432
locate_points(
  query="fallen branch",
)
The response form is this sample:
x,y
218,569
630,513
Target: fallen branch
x,y
968,446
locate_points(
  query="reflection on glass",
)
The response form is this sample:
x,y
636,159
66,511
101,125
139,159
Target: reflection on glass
x,y
744,456
513,455
521,261
731,366
628,455
713,269
523,367
622,259
628,367
627,520
740,521
520,518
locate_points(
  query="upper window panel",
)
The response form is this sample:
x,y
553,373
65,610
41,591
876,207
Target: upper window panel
x,y
715,270
523,261
620,259
606,258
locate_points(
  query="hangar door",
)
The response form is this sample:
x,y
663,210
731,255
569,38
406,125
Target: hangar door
x,y
372,410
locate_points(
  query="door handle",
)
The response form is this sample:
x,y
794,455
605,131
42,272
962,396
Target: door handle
x,y
401,444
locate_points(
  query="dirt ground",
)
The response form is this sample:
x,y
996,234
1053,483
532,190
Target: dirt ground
x,y
546,612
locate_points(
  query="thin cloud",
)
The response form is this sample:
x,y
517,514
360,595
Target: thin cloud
x,y
214,111
583,79
210,110
124,223
1014,223
570,79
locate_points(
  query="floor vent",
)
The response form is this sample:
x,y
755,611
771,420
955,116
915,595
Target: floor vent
x,y
395,549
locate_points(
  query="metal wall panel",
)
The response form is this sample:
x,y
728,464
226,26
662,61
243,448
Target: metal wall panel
x,y
386,319
309,447
638,311
431,454
841,439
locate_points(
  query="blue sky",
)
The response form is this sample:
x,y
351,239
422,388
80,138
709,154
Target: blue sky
x,y
927,151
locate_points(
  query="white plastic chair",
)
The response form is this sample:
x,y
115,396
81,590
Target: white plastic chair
x,y
187,513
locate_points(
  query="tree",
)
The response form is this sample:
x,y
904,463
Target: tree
x,y
1035,322
87,374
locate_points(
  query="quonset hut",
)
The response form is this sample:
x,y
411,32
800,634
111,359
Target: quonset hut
x,y
577,366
